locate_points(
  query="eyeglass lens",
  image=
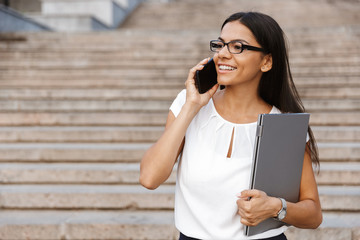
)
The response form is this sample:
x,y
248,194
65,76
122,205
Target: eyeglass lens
x,y
233,47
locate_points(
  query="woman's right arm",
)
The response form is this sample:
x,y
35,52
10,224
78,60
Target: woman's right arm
x,y
158,162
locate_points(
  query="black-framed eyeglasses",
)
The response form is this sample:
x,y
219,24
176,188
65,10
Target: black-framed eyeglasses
x,y
234,47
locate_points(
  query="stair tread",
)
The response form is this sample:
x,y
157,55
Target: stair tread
x,y
74,166
137,189
9,217
85,217
325,166
110,146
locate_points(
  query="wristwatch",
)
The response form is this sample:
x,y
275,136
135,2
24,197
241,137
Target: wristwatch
x,y
282,213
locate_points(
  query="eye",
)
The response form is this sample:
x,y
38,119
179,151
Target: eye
x,y
217,45
237,46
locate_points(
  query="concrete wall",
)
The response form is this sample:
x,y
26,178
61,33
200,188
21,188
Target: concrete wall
x,y
26,5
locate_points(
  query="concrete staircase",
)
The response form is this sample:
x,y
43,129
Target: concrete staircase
x,y
69,15
78,111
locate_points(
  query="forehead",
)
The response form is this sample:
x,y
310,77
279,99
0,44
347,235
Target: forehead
x,y
237,31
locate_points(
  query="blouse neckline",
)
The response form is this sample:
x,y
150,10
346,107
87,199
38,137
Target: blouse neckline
x,y
231,123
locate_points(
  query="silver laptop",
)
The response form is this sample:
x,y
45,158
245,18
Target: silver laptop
x,y
278,160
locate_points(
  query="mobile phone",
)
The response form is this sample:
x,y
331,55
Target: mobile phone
x,y
206,78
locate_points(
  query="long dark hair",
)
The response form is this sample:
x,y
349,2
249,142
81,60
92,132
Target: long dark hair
x,y
276,86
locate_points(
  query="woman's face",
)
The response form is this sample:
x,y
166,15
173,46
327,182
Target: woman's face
x,y
234,69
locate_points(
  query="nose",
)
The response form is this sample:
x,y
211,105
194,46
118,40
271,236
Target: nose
x,y
224,52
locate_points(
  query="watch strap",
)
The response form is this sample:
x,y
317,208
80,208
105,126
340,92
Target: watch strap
x,y
283,209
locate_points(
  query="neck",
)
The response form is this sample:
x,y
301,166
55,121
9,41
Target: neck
x,y
239,104
243,100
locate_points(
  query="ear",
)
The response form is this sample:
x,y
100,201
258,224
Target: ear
x,y
266,63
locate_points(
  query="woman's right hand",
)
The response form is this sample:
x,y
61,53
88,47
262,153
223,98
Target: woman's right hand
x,y
193,97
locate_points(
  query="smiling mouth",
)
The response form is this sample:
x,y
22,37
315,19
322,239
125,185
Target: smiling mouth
x,y
226,68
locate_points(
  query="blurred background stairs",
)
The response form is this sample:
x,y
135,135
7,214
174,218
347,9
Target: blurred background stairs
x,y
78,111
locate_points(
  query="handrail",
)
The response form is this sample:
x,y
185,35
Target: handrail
x,y
23,23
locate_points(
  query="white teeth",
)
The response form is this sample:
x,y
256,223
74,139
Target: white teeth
x,y
224,67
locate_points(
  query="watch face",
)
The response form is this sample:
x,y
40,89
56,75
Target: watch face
x,y
282,215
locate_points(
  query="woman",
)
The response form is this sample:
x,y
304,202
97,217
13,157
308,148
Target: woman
x,y
215,133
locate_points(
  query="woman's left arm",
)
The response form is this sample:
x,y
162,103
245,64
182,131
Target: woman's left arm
x,y
306,213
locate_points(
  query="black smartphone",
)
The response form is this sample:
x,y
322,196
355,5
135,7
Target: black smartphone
x,y
206,78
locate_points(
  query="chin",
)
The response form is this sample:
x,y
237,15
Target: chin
x,y
225,82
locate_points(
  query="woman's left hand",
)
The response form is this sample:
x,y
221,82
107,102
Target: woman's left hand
x,y
258,208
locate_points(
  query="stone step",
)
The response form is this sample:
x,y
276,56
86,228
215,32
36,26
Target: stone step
x,y
93,59
138,134
130,152
128,173
335,119
102,94
300,35
325,105
330,82
165,73
121,46
71,173
87,106
325,233
40,68
140,225
193,55
339,174
336,134
303,34
85,197
145,82
106,55
142,119
302,57
311,37
114,81
316,105
80,134
73,152
76,224
333,198
150,94
83,119
97,73
135,62
334,152
185,39
107,94
330,93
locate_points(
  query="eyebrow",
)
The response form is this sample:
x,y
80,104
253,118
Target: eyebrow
x,y
240,40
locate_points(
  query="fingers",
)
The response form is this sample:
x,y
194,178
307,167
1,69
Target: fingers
x,y
200,65
253,193
249,222
192,94
247,216
251,206
197,67
213,90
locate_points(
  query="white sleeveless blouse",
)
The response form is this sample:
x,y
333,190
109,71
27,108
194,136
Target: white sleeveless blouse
x,y
208,181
